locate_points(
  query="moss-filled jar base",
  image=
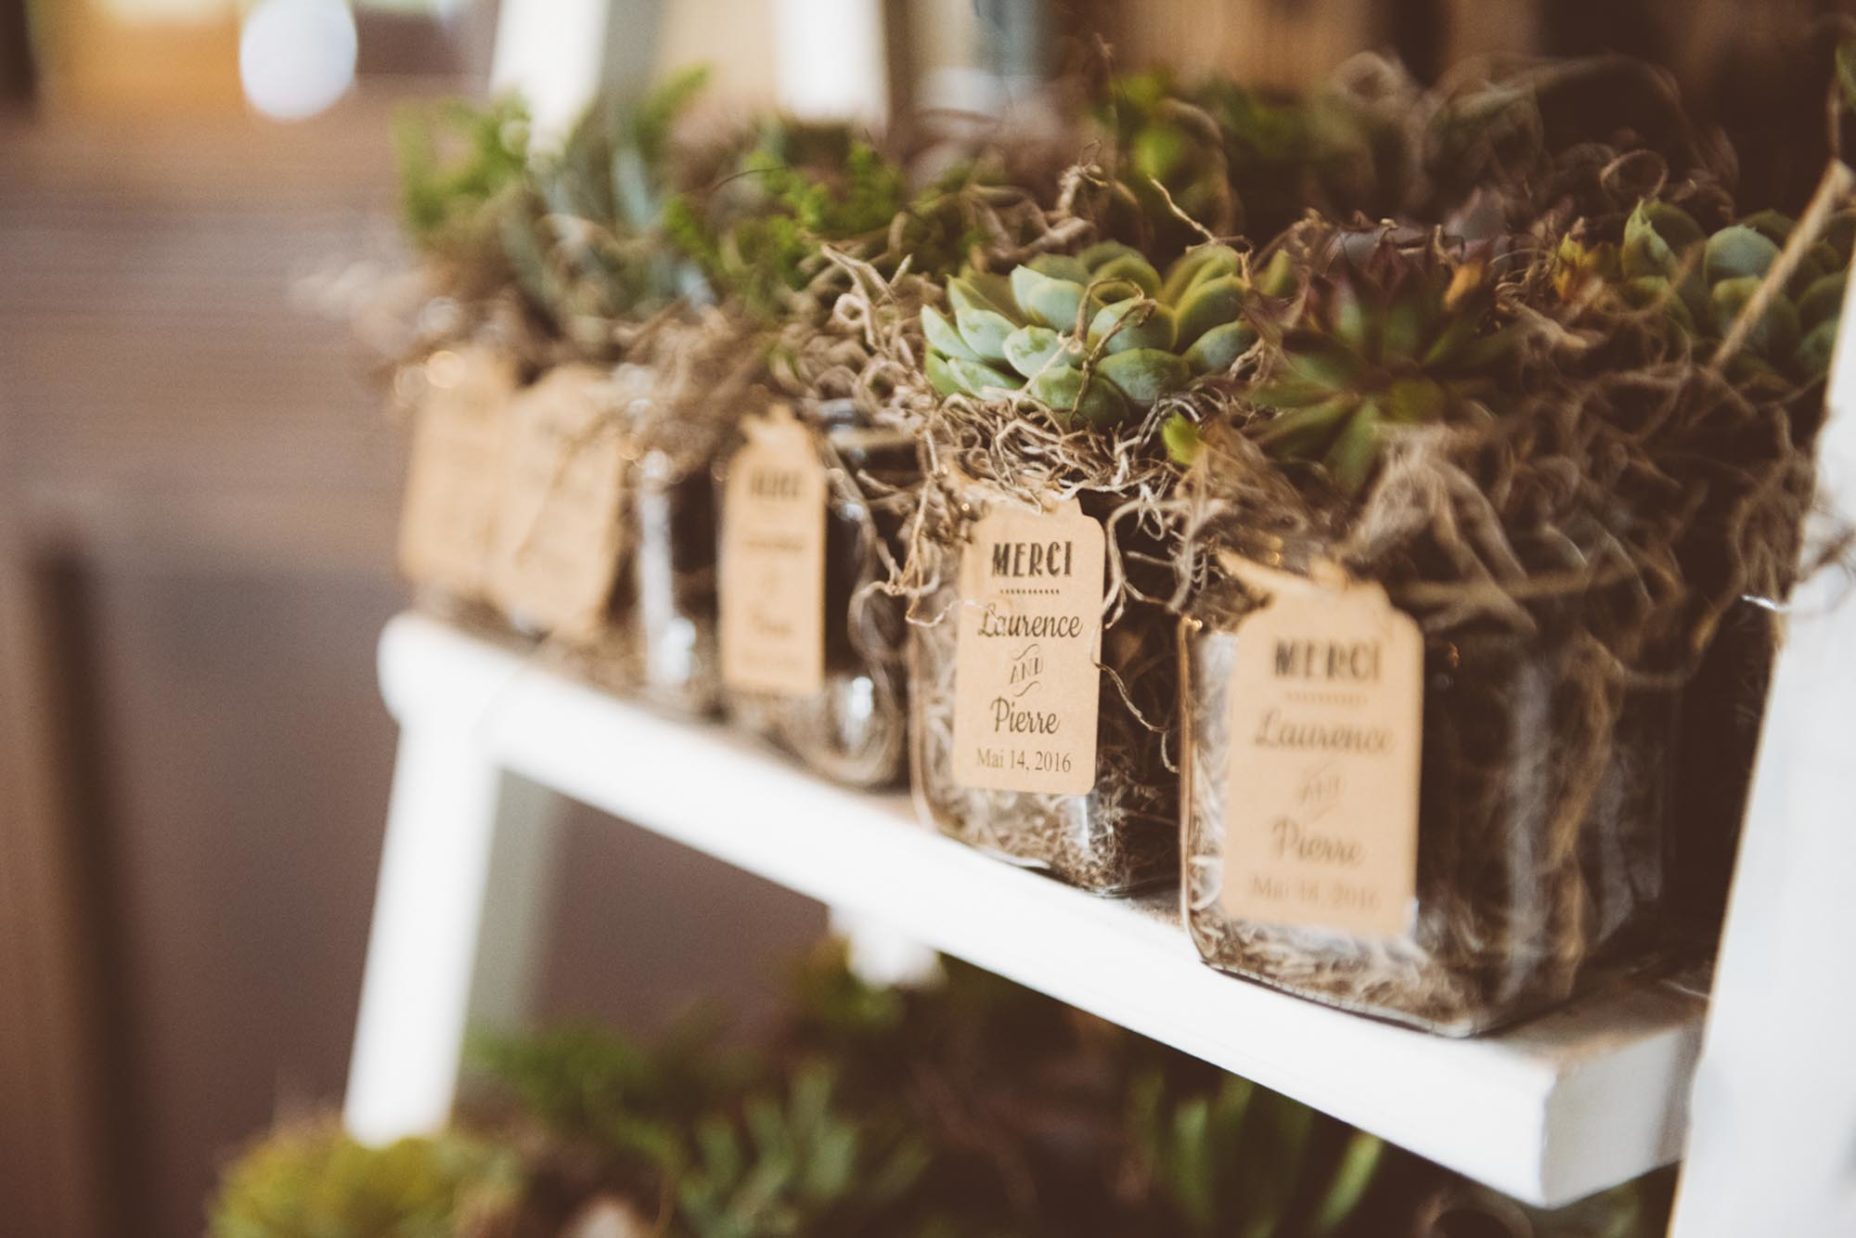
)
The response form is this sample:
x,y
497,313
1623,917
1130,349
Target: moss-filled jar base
x,y
854,728
1118,836
1539,848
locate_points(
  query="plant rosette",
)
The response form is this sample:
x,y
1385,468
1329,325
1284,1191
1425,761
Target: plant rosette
x,y
1435,443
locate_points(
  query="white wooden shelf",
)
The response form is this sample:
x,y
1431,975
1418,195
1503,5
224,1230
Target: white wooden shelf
x,y
1550,1111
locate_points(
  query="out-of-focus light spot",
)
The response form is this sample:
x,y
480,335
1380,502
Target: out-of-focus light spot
x,y
296,57
829,60
444,368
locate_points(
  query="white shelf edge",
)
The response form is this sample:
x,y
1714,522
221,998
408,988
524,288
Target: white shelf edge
x,y
1549,1112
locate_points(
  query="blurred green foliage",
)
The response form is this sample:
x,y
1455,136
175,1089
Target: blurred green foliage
x,y
313,1181
970,1108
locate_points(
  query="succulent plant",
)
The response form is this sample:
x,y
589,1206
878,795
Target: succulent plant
x,y
454,159
462,172
1403,337
1243,1160
1343,150
970,1107
588,245
634,1101
756,233
1228,159
1170,164
314,1181
798,1164
1702,282
1096,335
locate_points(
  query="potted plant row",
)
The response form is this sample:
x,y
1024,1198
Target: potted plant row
x,y
1318,504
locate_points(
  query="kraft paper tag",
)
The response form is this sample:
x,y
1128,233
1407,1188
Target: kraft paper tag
x,y
1321,793
558,541
1027,672
771,590
454,477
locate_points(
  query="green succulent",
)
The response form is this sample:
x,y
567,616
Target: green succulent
x,y
313,1181
1184,443
796,1164
1243,1160
1404,338
1097,335
756,233
463,169
454,160
1170,163
1703,281
971,1108
1231,159
1331,150
590,245
633,1100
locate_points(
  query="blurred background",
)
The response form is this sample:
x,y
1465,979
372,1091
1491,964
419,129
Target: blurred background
x,y
198,493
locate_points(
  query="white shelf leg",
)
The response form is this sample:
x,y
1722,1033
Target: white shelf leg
x,y
1772,1134
457,916
880,955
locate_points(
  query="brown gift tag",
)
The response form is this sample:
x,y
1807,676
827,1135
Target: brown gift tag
x,y
1321,792
455,476
1027,672
771,591
557,543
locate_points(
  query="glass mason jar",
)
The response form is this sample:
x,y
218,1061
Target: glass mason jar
x,y
1121,835
854,729
1721,716
1543,788
664,602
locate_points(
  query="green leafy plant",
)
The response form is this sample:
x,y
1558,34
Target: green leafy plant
x,y
796,1163
1405,337
635,1101
1245,1162
1332,150
1217,157
1171,184
1702,283
590,243
313,1181
1095,336
457,161
756,234
970,1108
463,177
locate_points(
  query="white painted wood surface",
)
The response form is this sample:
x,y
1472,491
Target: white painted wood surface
x,y
830,61
554,56
1548,1112
1774,1144
462,895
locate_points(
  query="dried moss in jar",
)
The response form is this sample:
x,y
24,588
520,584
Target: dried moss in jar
x,y
985,776
1539,825
851,724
